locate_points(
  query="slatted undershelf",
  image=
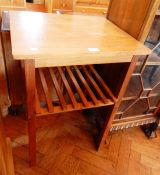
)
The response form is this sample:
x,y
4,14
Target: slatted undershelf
x,y
62,89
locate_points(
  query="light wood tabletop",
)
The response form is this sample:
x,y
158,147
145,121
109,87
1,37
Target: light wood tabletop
x,y
56,40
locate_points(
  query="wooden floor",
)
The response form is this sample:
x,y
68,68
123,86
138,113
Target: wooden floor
x,y
65,147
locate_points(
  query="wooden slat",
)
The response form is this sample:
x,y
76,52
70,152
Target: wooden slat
x,y
79,90
58,88
93,97
70,93
92,81
58,109
46,91
102,83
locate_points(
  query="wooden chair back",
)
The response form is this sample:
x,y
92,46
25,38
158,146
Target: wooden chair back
x,y
133,16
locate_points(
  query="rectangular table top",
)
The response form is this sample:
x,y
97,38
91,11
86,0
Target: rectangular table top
x,y
64,39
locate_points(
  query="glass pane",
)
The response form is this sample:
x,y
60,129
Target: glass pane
x,y
134,87
156,90
125,104
153,36
156,50
154,58
151,76
154,101
138,108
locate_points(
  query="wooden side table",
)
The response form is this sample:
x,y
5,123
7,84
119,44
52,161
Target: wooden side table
x,y
54,46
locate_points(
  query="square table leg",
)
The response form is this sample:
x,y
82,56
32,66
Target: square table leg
x,y
107,125
29,73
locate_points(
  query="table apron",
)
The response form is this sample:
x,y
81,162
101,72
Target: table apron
x,y
81,61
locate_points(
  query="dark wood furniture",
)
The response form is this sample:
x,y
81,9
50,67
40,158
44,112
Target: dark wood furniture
x,y
140,102
142,97
4,97
98,7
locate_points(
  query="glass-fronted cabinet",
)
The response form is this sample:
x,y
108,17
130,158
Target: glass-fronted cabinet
x,y
142,97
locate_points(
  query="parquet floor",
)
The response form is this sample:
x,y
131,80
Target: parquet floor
x,y
65,147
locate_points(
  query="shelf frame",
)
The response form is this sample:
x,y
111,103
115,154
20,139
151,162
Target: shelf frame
x,y
91,89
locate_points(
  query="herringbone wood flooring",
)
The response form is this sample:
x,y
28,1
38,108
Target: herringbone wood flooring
x,y
65,147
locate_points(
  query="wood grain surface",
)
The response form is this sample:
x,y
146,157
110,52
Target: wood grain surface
x,y
65,147
54,40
